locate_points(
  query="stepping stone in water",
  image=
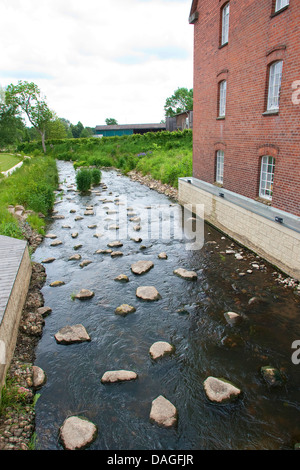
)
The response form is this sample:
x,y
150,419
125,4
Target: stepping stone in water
x,y
72,334
113,376
163,255
85,262
77,433
88,212
58,217
76,247
38,377
84,294
78,218
272,376
114,254
75,258
124,309
104,251
160,349
141,267
147,293
48,260
57,283
74,235
122,278
232,318
98,235
219,390
51,235
181,272
163,412
136,239
56,243
92,226
44,311
115,244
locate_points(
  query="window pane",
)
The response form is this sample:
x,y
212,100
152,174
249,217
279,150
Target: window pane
x,y
267,177
281,4
225,24
222,103
220,166
274,85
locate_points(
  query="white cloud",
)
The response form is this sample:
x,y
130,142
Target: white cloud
x,y
99,59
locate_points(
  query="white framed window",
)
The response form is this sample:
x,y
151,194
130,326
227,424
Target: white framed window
x,y
267,177
274,85
281,4
225,24
222,99
220,166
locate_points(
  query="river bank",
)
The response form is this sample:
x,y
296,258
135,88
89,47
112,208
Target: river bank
x,y
17,427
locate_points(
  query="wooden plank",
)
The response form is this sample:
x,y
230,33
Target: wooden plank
x,y
11,255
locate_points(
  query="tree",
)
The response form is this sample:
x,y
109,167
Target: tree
x,y
11,125
27,97
76,129
111,122
181,100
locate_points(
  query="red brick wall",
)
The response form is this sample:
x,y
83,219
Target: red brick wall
x,y
256,39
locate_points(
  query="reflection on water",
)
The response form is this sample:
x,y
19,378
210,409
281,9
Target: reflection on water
x,y
189,315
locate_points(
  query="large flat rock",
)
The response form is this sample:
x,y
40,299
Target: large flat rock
x,y
147,293
141,267
77,433
219,390
112,376
72,334
163,412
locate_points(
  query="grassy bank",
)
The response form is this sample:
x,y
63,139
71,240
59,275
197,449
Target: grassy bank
x,y
31,186
7,161
165,156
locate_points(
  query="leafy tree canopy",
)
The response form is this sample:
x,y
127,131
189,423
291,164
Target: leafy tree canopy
x,y
27,98
181,100
111,121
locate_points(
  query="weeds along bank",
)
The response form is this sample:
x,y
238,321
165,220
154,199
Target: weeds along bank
x,y
31,186
165,156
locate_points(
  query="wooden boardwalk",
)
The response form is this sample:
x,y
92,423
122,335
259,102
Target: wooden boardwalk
x,y
11,255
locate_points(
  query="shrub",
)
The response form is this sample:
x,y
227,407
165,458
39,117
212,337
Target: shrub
x,y
96,175
83,179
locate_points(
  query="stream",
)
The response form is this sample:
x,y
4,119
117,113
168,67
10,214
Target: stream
x,y
189,315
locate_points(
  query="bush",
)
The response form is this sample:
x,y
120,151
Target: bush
x,y
96,176
83,179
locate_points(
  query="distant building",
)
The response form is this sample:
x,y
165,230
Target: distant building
x,y
127,129
246,132
180,121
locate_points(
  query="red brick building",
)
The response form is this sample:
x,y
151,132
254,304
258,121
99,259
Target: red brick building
x,y
247,98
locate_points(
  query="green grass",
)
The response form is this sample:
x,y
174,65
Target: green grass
x,y
31,186
7,161
165,156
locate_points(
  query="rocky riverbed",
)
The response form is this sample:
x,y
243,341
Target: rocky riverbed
x,y
17,424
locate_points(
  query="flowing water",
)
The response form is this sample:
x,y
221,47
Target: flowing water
x,y
189,315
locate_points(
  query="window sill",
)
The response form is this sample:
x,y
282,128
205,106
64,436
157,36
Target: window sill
x,y
267,202
272,112
223,45
279,11
220,118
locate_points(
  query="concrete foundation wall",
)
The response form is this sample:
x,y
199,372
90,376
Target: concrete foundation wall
x,y
275,242
9,325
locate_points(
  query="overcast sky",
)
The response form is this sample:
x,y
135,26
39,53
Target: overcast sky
x,y
98,59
